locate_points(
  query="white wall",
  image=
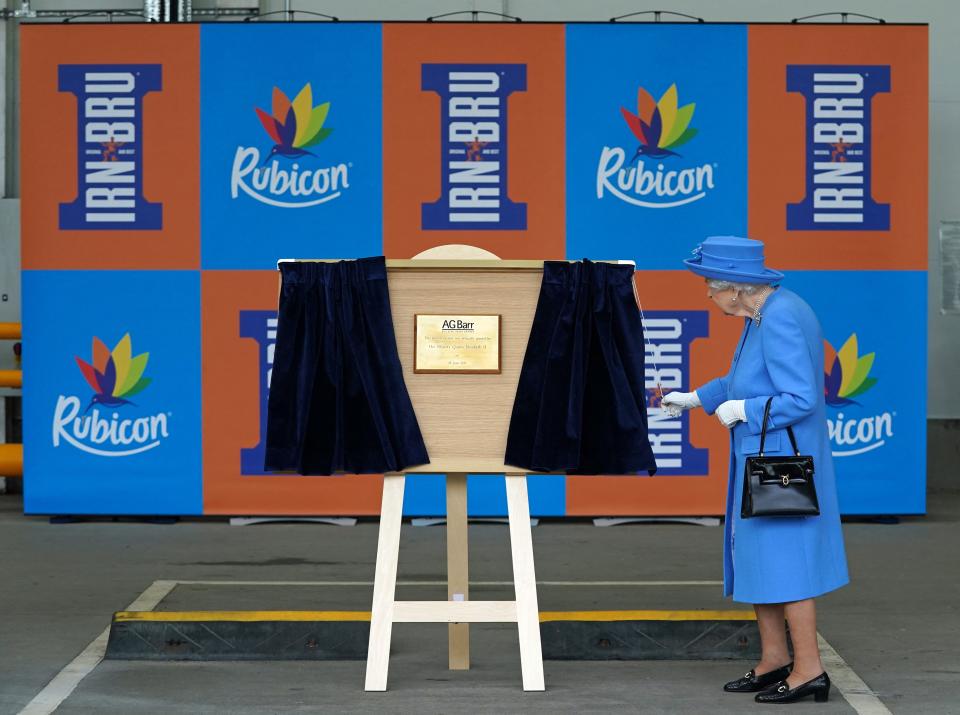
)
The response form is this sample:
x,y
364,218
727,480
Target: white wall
x,y
943,389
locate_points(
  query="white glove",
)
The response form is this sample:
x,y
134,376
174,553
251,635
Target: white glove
x,y
731,412
676,402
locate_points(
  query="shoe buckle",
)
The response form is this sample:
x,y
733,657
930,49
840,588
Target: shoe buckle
x,y
782,688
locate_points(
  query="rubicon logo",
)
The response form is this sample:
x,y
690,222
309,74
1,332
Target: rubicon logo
x,y
115,376
656,176
291,175
854,429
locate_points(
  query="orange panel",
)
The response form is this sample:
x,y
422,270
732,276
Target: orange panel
x,y
170,140
412,135
233,370
778,156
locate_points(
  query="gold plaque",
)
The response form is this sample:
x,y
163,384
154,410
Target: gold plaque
x,y
456,343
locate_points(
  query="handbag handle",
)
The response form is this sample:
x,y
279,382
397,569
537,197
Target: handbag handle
x,y
763,431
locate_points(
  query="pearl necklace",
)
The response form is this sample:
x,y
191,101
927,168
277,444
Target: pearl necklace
x,y
756,308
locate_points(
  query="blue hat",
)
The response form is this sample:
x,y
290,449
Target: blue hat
x,y
731,258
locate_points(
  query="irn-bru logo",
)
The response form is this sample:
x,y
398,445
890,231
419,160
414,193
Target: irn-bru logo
x,y
660,129
291,174
110,147
473,147
846,379
839,154
261,327
668,335
115,376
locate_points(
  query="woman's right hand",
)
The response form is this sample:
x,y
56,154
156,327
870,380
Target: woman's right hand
x,y
676,402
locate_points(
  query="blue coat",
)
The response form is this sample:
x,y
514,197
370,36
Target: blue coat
x,y
780,559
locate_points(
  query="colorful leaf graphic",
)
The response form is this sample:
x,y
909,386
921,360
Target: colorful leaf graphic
x,y
137,366
119,375
303,109
660,126
846,374
668,110
295,125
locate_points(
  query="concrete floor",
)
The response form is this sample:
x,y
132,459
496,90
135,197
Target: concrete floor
x,y
897,625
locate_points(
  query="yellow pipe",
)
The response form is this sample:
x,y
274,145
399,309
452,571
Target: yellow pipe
x,y
11,455
11,460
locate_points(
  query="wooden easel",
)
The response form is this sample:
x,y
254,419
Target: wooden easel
x,y
461,612
464,421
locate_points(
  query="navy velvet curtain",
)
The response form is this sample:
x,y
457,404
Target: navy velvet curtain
x,y
581,402
338,401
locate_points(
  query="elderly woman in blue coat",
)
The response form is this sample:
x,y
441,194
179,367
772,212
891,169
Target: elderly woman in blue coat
x,y
777,563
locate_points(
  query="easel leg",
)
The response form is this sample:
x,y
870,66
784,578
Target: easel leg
x,y
385,582
458,578
525,582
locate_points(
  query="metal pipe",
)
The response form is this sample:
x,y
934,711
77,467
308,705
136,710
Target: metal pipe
x,y
6,14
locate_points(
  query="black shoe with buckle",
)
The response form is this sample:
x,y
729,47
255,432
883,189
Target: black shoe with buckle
x,y
819,688
752,683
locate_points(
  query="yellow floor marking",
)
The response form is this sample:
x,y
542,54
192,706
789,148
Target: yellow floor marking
x,y
545,616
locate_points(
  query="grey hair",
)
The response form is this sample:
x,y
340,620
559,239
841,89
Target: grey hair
x,y
718,286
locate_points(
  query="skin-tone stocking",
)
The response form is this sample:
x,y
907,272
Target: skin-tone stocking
x,y
802,617
773,637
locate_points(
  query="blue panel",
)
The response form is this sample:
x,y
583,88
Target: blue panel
x,y
132,445
651,193
298,187
425,495
487,496
548,495
878,437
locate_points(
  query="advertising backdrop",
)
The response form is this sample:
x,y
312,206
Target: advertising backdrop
x,y
165,170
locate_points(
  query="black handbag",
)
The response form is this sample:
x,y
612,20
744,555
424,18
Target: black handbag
x,y
778,486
